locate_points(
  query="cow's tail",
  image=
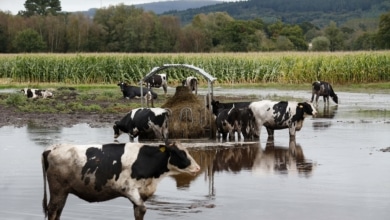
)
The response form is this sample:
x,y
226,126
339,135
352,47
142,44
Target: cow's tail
x,y
44,201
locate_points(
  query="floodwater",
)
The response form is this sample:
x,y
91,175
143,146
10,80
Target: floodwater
x,y
335,169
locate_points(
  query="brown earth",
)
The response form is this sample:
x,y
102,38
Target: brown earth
x,y
12,117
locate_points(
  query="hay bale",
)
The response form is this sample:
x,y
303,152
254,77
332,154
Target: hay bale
x,y
190,117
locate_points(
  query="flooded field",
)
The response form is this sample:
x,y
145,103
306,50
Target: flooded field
x,y
335,169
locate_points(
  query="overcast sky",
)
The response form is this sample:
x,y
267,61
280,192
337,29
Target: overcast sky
x,y
75,5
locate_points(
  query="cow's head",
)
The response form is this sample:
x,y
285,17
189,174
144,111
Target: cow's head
x,y
335,99
117,131
307,108
215,106
122,85
180,160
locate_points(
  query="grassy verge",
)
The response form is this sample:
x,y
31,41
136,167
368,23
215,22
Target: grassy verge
x,y
103,98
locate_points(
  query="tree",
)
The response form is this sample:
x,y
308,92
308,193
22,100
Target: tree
x,y
41,7
320,43
335,36
383,34
295,35
29,41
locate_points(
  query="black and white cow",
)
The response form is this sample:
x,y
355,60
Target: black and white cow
x,y
245,117
97,173
157,81
280,115
36,93
131,92
248,123
218,106
144,120
321,88
192,84
228,122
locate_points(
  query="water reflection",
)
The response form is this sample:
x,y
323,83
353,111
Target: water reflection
x,y
250,156
40,135
283,160
327,112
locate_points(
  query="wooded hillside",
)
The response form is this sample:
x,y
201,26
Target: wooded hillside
x,y
317,12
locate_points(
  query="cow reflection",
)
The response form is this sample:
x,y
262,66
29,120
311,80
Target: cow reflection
x,y
220,158
41,134
328,112
247,156
282,160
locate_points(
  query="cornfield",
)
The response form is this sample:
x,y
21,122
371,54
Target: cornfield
x,y
228,68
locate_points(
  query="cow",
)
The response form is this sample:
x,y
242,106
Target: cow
x,y
143,121
321,88
157,81
131,92
248,123
36,93
240,120
280,115
192,84
218,106
227,122
97,173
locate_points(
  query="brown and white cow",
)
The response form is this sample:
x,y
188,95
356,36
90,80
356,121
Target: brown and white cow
x,y
280,115
97,173
144,120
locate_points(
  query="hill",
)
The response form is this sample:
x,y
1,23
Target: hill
x,y
317,12
166,6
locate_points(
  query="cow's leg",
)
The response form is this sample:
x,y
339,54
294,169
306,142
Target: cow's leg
x,y
224,136
270,133
139,206
231,135
312,97
326,100
292,132
165,89
56,204
139,212
317,97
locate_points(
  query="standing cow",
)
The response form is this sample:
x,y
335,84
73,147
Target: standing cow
x,y
321,88
192,84
144,120
228,122
157,81
218,106
281,115
97,173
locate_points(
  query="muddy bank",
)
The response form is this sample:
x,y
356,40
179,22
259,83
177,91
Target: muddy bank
x,y
13,117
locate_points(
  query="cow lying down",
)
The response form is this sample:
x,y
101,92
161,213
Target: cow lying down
x,y
98,173
36,93
281,115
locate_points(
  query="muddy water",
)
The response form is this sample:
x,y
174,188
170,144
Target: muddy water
x,y
335,169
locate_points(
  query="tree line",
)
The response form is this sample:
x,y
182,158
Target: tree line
x,y
121,28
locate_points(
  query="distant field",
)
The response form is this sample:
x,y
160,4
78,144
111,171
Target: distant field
x,y
229,68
